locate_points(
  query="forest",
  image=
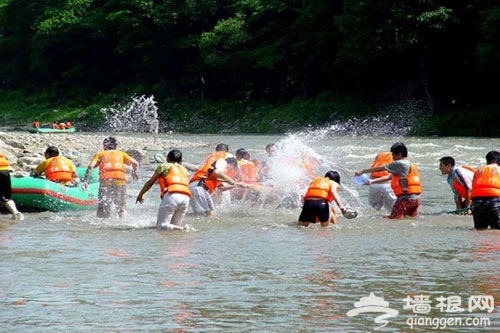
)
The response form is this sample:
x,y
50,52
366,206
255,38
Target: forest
x,y
255,66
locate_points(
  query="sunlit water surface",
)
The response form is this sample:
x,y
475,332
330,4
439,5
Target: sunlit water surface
x,y
252,269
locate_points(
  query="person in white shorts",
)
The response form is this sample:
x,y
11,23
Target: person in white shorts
x,y
175,195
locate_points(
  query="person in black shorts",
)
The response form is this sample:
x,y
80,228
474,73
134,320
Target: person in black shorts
x,y
486,193
321,192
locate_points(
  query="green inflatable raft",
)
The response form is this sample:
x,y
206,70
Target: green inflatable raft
x,y
40,194
50,130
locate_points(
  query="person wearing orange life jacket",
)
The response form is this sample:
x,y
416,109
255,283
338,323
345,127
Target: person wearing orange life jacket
x,y
57,168
6,189
405,182
55,125
174,192
35,124
69,124
247,167
248,173
209,177
486,193
321,192
309,164
381,194
112,178
460,180
62,126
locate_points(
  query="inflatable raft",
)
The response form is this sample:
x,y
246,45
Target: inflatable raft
x,y
50,130
40,194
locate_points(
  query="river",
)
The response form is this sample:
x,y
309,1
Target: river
x,y
252,269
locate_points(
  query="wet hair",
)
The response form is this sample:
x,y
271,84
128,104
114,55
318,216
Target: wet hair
x,y
232,161
110,143
269,146
399,147
447,160
52,151
333,175
174,156
242,152
222,147
493,157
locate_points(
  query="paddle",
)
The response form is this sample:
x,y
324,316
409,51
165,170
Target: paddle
x,y
253,187
256,187
458,210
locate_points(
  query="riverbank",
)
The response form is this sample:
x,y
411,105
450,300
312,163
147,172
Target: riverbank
x,y
24,150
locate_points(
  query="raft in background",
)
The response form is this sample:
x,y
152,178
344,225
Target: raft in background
x,y
40,194
50,130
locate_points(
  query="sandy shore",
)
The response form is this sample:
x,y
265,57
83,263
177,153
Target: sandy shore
x,y
90,143
23,149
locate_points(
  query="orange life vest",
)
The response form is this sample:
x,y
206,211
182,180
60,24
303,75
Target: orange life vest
x,y
320,188
35,124
62,126
204,175
248,171
215,156
458,186
4,164
176,181
486,182
112,165
381,160
54,126
412,182
69,124
58,170
309,165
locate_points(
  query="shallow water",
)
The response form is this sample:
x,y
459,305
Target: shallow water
x,y
252,269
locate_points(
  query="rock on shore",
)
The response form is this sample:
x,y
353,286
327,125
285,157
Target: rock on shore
x,y
24,151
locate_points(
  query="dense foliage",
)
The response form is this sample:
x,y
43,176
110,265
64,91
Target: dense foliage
x,y
256,61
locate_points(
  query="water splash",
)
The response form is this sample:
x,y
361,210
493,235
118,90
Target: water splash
x,y
399,119
355,127
138,115
294,165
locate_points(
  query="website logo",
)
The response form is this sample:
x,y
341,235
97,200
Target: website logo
x,y
373,303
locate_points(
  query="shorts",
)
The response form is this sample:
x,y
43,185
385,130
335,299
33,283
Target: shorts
x,y
405,207
5,186
315,211
172,210
381,195
486,212
109,196
201,200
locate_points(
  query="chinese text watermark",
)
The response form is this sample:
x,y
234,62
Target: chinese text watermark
x,y
422,305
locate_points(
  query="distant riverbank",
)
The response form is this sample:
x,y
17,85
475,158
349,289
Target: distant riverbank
x,y
23,150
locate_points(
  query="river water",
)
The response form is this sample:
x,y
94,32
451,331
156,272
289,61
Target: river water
x,y
252,269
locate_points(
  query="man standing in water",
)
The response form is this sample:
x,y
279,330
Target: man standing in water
x,y
460,180
381,194
486,193
209,177
112,179
405,182
174,192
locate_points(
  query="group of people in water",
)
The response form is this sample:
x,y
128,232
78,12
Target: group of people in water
x,y
395,181
394,184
